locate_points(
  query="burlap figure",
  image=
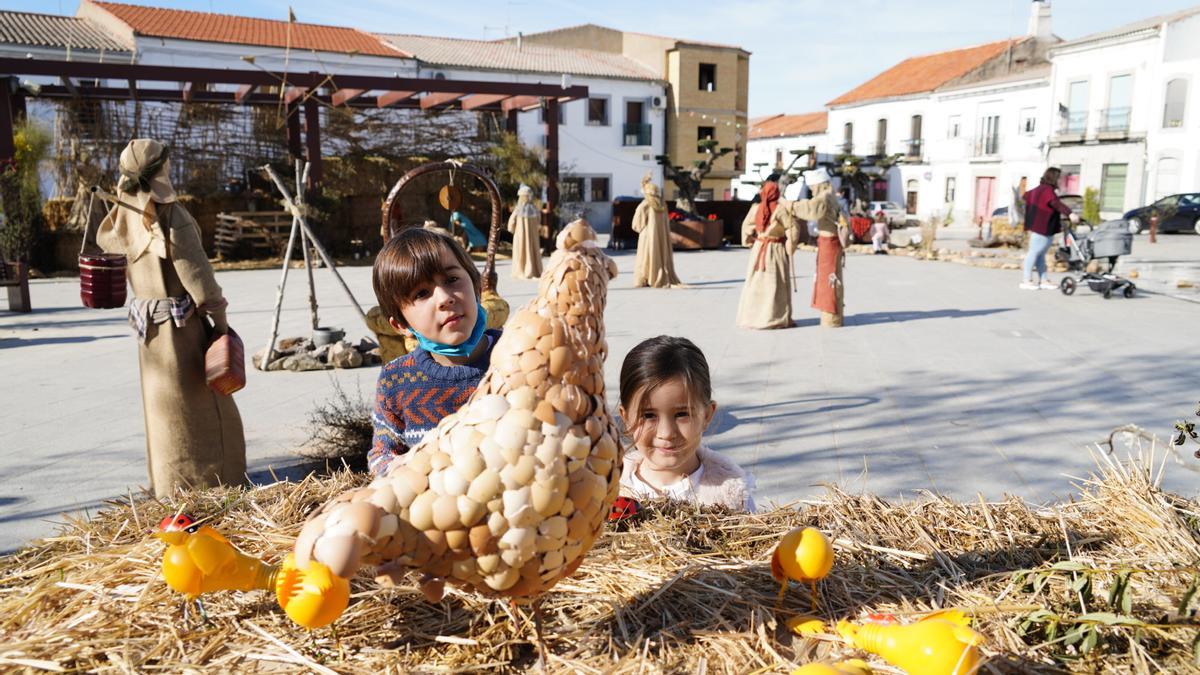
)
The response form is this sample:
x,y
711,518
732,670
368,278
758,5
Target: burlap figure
x,y
822,207
524,224
766,300
193,435
654,265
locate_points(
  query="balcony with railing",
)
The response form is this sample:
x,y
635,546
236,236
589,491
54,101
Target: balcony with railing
x,y
1072,125
880,148
986,146
914,149
635,135
1114,121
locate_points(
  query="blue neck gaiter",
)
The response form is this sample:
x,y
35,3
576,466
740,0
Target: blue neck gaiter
x,y
463,349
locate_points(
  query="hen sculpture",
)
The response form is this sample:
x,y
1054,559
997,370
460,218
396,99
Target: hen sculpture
x,y
507,495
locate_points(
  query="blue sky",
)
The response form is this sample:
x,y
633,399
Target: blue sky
x,y
804,52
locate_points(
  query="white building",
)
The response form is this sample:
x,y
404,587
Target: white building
x,y
967,125
1127,105
607,143
771,146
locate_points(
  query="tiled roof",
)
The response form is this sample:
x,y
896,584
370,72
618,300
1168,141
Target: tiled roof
x,y
777,126
687,41
528,58
1152,22
206,27
923,73
48,30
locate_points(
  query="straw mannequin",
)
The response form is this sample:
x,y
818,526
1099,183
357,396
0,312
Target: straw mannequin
x,y
766,300
823,207
193,435
523,223
654,266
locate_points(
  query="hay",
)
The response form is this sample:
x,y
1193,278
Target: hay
x,y
681,591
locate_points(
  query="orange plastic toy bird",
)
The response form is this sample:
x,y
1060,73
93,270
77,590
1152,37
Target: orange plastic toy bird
x,y
941,643
200,560
803,554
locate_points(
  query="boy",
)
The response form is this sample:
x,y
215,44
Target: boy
x,y
429,289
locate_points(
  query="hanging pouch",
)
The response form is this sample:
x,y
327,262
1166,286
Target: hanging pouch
x,y
225,362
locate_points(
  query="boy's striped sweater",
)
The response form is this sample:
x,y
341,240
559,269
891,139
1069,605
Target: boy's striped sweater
x,y
413,394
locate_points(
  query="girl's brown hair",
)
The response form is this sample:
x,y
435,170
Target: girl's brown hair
x,y
1051,176
658,360
411,259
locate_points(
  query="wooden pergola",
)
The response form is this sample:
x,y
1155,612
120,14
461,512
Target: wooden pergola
x,y
302,93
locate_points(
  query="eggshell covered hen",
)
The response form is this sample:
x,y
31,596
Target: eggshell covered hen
x,y
508,494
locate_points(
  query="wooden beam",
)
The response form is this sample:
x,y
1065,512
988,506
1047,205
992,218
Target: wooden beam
x,y
294,93
520,103
133,89
187,91
312,142
435,100
552,169
244,91
393,97
293,132
8,150
481,100
344,96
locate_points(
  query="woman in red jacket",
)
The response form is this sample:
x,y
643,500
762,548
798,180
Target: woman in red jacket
x,y
1043,219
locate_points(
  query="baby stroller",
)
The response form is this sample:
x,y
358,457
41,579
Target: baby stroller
x,y
1108,240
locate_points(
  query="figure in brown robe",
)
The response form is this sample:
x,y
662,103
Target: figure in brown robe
x,y
654,265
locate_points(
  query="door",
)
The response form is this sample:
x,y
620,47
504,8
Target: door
x,y
985,188
635,132
910,198
1077,105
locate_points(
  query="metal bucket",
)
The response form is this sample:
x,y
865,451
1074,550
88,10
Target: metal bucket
x,y
102,280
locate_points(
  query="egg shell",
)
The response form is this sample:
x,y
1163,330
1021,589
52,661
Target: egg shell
x,y
576,445
568,508
468,462
339,554
537,379
552,560
303,546
515,499
513,557
510,432
420,463
497,523
544,412
517,341
600,466
457,540
420,513
463,569
502,579
531,361
384,497
482,541
469,511
437,483
546,498
421,552
439,461
488,563
490,407
388,525
492,454
577,526
392,549
453,482
484,487
438,567
605,448
544,543
462,437
560,358
415,480
545,343
437,542
572,550
520,473
515,380
445,512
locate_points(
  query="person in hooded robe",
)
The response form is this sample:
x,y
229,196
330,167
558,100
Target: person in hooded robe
x,y
654,265
823,207
766,300
524,223
194,435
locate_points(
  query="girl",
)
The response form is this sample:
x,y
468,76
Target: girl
x,y
666,403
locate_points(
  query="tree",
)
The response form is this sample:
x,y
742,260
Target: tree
x,y
688,181
20,192
515,164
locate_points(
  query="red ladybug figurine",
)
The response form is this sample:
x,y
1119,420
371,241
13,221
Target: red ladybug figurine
x,y
624,508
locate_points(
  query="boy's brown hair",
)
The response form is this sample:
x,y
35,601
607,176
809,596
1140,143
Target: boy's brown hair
x,y
410,259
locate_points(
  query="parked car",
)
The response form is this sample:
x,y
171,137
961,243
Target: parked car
x,y
1177,213
895,214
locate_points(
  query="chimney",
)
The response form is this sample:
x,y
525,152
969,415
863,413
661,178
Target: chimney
x,y
520,38
1039,20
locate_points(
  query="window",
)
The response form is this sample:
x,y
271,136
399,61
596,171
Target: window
x,y
1112,187
988,142
778,159
881,137
954,127
562,114
848,137
570,189
597,111
1175,104
704,134
1075,118
1028,121
1120,92
599,189
708,77
914,136
951,186
1068,183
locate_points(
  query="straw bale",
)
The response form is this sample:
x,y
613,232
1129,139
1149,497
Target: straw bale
x,y
681,590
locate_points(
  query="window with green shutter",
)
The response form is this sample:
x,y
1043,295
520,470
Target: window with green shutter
x,y
1112,187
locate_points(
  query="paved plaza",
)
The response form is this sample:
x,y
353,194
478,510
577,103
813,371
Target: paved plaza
x,y
946,377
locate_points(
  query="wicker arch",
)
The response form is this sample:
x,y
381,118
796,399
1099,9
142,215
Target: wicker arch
x,y
393,219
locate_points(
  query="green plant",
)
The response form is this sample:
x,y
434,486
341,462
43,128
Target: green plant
x,y
21,194
1091,205
516,164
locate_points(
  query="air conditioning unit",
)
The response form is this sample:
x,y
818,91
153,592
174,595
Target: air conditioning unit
x,y
658,102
